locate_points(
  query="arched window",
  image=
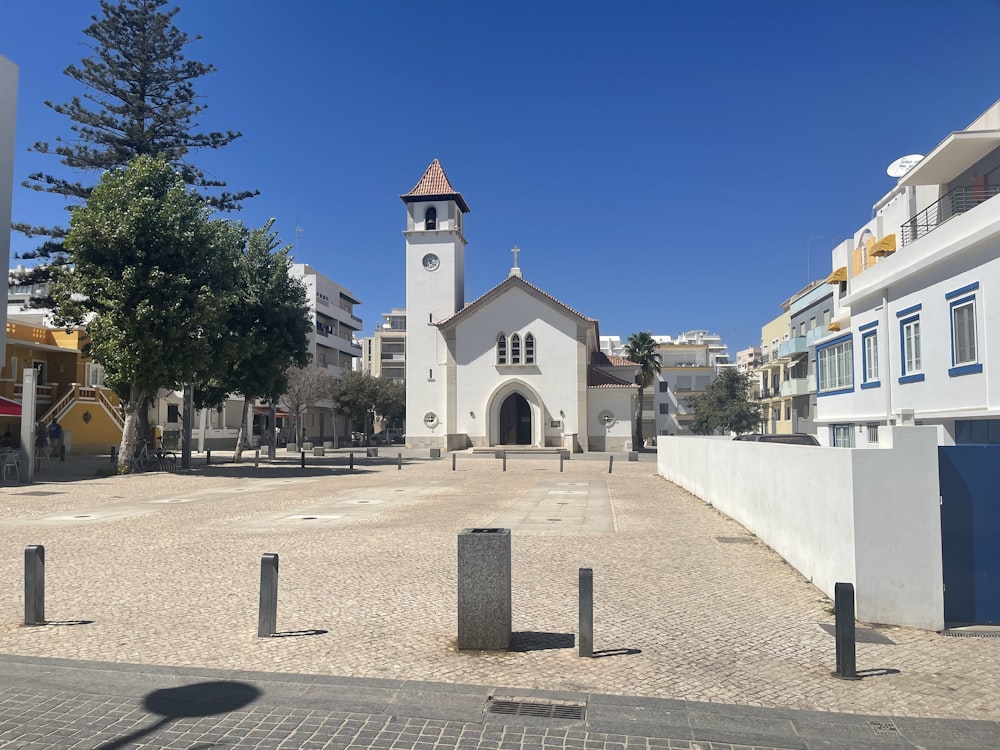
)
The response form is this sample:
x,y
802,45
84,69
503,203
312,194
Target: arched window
x,y
501,349
529,349
515,349
430,218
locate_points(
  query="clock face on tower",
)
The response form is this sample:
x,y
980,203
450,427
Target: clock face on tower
x,y
431,262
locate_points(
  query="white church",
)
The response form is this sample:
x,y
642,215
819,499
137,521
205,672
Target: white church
x,y
515,367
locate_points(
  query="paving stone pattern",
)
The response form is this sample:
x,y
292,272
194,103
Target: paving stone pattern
x,y
677,613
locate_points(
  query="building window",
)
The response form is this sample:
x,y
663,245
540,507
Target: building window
x,y
173,413
788,412
835,363
869,343
872,433
430,218
826,318
909,334
663,386
812,323
664,408
515,349
501,349
842,435
964,344
977,432
529,349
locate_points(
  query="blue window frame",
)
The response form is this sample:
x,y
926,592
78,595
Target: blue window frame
x,y
911,363
869,360
964,338
835,367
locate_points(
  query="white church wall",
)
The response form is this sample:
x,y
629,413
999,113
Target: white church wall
x,y
552,379
615,433
8,117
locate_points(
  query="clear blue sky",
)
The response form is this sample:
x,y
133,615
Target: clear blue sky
x,y
663,166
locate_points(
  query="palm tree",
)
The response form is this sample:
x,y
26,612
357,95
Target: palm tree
x,y
641,349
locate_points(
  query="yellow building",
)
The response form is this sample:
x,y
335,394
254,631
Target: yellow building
x,y
70,387
773,371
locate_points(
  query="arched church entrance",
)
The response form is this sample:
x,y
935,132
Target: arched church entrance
x,y
515,421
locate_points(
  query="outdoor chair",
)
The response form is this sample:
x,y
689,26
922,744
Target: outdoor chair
x,y
43,458
11,460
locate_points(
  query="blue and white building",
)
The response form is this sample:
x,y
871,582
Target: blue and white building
x,y
917,303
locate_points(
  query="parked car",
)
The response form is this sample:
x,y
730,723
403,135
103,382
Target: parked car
x,y
795,438
390,435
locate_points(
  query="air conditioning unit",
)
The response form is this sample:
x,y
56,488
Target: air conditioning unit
x,y
904,418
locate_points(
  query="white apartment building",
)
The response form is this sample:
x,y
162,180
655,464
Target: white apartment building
x,y
383,355
911,335
331,309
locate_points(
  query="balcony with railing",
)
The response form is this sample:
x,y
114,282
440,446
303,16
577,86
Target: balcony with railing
x,y
954,203
792,347
795,387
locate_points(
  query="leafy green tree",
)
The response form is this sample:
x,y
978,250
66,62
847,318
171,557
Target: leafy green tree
x,y
726,406
268,324
365,398
138,99
641,349
152,278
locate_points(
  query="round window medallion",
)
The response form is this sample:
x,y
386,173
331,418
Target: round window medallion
x,y
430,419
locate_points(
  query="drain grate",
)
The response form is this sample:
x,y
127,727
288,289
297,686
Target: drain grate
x,y
971,633
543,709
734,540
884,728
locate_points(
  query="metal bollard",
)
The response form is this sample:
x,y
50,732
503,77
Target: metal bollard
x,y
505,460
208,458
586,612
611,463
302,460
453,457
34,585
267,612
352,461
114,454
256,458
561,459
399,461
843,606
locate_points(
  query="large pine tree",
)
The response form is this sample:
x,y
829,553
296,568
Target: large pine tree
x,y
138,100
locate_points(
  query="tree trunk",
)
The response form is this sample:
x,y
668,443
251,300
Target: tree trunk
x,y
130,436
241,438
638,422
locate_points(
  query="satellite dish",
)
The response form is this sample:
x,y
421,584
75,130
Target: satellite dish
x,y
903,164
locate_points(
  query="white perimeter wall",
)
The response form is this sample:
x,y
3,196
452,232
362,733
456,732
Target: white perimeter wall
x,y
864,516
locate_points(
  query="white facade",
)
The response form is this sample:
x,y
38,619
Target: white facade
x,y
514,367
383,355
917,310
331,310
8,121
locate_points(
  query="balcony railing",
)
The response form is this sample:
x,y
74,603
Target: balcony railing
x,y
795,345
795,387
955,202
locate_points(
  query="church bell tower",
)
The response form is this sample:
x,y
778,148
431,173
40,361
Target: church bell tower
x,y
435,290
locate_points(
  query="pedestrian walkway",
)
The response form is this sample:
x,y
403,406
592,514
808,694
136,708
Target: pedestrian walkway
x,y
47,703
163,570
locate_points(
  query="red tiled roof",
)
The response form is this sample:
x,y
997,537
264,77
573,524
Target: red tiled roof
x,y
495,291
610,360
435,184
599,379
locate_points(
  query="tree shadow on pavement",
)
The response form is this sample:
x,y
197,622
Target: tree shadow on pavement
x,y
189,701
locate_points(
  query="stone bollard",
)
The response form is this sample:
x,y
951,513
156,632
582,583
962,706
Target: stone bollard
x,y
843,607
34,585
371,452
307,445
435,453
484,590
267,610
633,455
319,450
586,612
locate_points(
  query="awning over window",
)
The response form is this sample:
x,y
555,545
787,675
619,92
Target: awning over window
x,y
833,326
279,413
885,246
9,408
837,276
